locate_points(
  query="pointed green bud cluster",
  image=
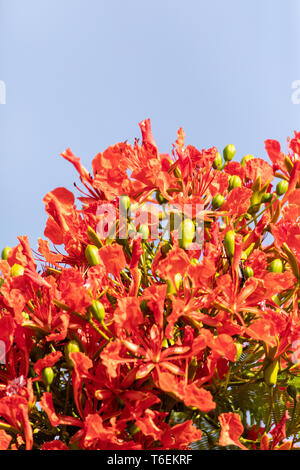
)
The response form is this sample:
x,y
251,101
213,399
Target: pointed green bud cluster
x,y
259,195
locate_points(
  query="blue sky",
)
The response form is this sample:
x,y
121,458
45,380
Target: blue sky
x,y
83,74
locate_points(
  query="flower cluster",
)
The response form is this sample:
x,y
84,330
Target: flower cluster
x,y
180,331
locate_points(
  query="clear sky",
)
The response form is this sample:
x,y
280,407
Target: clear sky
x,y
83,74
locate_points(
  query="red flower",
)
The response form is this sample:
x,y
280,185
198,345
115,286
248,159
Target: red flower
x,y
275,154
54,445
295,143
259,168
151,355
14,410
47,361
231,430
181,436
238,201
47,405
190,394
5,440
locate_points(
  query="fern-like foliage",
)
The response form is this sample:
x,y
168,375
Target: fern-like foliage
x,y
244,391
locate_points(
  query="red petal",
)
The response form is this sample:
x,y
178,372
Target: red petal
x,y
224,345
47,361
47,405
231,430
5,440
54,445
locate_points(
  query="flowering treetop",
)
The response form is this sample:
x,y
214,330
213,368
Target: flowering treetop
x,y
165,312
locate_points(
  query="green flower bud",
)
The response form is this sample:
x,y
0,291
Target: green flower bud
x,y
271,373
93,237
48,375
217,201
218,162
72,346
267,197
276,266
194,262
187,231
5,252
17,270
98,311
282,187
248,272
144,230
92,255
234,182
124,204
246,159
229,243
229,152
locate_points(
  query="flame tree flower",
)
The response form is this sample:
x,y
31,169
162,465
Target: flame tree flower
x,y
174,326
